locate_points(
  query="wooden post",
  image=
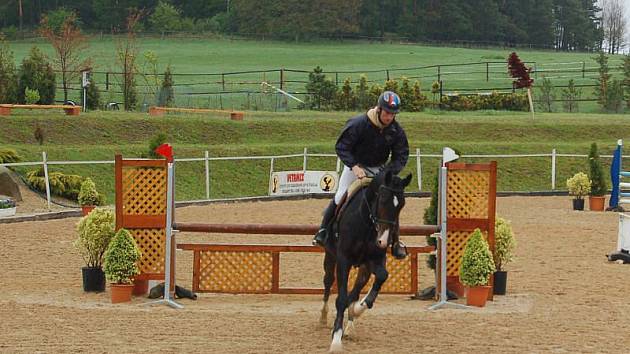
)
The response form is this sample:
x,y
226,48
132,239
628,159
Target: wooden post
x,y
531,103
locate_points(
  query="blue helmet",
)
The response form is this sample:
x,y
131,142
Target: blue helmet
x,y
389,101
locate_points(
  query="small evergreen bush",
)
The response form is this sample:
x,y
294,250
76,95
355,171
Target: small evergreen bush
x,y
579,185
88,195
596,173
95,231
121,257
477,262
504,243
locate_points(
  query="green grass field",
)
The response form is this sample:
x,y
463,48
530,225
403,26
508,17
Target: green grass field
x,y
195,57
100,135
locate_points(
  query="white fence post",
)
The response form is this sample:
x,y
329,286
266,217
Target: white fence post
x,y
207,161
553,169
305,154
419,170
45,162
338,166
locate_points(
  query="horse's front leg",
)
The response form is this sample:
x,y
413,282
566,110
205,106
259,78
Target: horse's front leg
x,y
329,278
380,276
343,268
363,276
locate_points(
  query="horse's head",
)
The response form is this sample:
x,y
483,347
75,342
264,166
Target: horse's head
x,y
388,191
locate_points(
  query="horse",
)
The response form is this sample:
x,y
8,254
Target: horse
x,y
363,229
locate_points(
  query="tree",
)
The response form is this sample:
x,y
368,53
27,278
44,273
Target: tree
x,y
68,43
520,72
36,73
8,76
127,52
547,95
165,17
625,69
167,96
570,97
614,24
603,81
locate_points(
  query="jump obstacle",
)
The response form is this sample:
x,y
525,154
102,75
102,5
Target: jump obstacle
x,y
145,206
620,195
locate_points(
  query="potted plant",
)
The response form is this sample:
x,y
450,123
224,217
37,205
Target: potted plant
x,y
476,268
95,232
7,207
88,197
597,196
504,244
120,265
579,185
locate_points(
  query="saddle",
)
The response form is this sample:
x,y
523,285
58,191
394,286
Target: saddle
x,y
350,193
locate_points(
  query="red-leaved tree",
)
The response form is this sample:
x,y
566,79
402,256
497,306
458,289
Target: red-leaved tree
x,y
519,71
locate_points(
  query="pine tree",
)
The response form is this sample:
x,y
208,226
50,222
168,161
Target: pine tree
x,y
596,172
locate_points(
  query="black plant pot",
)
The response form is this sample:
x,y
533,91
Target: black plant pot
x,y
500,282
93,279
578,204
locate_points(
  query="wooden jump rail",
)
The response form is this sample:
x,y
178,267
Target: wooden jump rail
x,y
5,109
267,229
160,111
228,262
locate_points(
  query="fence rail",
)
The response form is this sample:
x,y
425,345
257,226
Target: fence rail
x,y
305,155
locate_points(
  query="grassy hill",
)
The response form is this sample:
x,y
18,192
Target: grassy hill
x,y
100,135
193,60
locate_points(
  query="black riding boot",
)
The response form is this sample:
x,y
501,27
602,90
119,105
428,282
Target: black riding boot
x,y
399,250
322,234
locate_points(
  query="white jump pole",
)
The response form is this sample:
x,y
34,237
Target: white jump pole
x,y
448,155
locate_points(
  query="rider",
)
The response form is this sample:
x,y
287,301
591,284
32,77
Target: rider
x,y
365,145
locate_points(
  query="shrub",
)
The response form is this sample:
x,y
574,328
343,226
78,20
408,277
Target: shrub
x,y
8,75
320,91
9,156
579,185
547,96
570,97
477,263
156,141
121,257
504,243
39,134
88,194
36,73
31,96
66,186
363,94
93,96
346,100
166,96
596,173
95,231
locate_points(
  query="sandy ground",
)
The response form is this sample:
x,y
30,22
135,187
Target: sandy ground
x,y
563,296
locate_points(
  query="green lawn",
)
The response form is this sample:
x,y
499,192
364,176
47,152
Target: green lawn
x,y
195,57
100,135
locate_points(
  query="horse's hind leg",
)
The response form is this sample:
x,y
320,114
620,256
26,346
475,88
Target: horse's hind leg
x,y
329,278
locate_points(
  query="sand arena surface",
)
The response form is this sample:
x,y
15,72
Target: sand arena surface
x,y
563,296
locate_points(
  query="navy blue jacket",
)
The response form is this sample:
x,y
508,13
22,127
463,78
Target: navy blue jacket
x,y
361,142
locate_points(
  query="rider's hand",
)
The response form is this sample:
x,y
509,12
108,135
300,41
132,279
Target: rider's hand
x,y
358,172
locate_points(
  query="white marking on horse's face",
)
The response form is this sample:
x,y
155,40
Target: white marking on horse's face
x,y
383,239
395,202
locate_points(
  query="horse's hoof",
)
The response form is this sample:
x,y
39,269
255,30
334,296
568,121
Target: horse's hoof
x,y
336,346
349,328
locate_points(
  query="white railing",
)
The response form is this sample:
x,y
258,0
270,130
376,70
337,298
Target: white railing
x,y
305,155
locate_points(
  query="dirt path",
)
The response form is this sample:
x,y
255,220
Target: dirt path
x,y
563,296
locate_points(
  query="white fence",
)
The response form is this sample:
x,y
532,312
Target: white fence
x,y
553,156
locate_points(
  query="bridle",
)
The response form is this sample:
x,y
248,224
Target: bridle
x,y
374,218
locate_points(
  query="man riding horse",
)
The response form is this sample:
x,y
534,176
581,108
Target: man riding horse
x,y
364,146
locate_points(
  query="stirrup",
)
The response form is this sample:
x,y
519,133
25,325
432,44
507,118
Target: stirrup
x,y
320,237
399,250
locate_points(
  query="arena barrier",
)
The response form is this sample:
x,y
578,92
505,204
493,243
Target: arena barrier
x,y
144,205
618,195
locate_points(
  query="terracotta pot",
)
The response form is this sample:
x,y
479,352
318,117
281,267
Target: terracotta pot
x,y
86,209
477,295
596,203
121,292
140,287
453,284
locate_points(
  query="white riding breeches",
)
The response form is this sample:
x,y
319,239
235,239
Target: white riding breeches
x,y
347,177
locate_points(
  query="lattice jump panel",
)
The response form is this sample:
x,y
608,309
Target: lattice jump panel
x,y
468,194
151,243
235,272
455,250
144,190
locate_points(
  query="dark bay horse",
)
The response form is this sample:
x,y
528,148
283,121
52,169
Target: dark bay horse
x,y
365,229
